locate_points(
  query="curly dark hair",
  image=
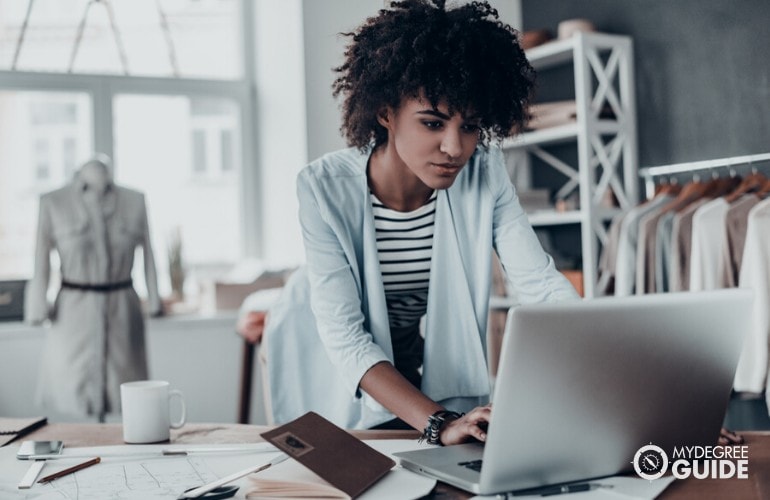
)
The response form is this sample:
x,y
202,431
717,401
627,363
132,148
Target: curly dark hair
x,y
463,56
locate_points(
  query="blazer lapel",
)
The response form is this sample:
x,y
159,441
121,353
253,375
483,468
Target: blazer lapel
x,y
453,341
374,290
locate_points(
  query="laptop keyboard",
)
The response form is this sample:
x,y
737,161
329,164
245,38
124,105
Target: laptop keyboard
x,y
473,465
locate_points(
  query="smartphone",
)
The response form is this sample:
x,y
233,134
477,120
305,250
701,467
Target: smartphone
x,y
30,448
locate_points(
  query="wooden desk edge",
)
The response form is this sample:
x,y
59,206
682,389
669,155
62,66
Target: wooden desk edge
x,y
80,435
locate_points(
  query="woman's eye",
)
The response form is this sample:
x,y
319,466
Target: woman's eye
x,y
433,125
471,128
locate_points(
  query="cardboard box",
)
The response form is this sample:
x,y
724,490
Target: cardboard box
x,y
229,296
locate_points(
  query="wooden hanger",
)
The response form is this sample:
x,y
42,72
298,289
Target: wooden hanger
x,y
721,186
764,191
750,184
669,187
690,192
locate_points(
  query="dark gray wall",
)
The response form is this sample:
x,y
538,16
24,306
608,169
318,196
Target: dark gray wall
x,y
702,71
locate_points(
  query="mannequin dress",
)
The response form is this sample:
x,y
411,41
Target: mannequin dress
x,y
97,336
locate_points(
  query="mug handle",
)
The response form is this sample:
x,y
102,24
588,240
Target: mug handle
x,y
180,423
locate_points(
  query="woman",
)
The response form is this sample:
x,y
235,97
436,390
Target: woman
x,y
404,224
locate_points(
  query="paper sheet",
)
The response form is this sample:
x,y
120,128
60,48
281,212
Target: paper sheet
x,y
138,475
621,488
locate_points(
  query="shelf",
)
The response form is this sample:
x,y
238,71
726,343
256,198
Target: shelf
x,y
558,52
556,135
550,135
602,76
551,53
554,218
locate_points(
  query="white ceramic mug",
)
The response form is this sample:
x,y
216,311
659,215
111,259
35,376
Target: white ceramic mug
x,y
145,410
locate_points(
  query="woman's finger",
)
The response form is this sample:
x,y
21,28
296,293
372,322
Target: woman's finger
x,y
727,437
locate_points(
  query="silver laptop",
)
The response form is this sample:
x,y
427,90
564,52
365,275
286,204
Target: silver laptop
x,y
582,386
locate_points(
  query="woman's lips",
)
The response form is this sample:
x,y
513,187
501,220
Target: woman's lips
x,y
447,168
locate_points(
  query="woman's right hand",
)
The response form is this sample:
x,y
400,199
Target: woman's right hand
x,y
470,426
252,325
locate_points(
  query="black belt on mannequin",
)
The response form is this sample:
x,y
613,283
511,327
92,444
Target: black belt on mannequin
x,y
106,287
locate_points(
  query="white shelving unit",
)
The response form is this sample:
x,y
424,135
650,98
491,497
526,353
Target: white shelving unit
x,y
604,76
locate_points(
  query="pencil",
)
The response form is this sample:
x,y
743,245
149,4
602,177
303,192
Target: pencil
x,y
70,470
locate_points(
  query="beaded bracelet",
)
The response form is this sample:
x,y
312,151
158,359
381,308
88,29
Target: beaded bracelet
x,y
435,422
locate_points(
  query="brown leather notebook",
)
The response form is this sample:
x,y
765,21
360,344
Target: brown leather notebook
x,y
343,460
13,428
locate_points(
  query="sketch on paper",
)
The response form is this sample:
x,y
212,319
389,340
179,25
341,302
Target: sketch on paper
x,y
131,480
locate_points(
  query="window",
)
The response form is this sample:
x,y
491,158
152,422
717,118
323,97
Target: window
x,y
199,151
40,135
42,154
213,124
56,125
177,137
226,148
187,193
185,38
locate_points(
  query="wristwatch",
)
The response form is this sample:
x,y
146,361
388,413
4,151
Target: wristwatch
x,y
434,425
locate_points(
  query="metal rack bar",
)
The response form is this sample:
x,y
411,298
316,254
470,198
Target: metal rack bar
x,y
677,168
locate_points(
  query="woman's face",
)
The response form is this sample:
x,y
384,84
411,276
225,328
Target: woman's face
x,y
432,144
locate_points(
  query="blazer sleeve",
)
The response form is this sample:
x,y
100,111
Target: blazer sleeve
x,y
527,266
150,274
335,294
36,308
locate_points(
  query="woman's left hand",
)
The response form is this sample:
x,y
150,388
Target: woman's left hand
x,y
472,425
729,438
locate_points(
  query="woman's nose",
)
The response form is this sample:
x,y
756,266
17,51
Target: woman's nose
x,y
451,144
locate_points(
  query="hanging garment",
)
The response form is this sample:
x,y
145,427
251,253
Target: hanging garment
x,y
96,340
708,239
755,274
645,250
736,223
663,243
681,247
625,267
609,257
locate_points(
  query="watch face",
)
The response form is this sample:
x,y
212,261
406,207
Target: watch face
x,y
650,462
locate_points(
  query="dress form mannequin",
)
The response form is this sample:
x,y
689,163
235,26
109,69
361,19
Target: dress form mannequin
x,y
96,173
97,337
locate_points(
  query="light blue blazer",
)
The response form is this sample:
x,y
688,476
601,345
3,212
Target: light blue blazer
x,y
331,324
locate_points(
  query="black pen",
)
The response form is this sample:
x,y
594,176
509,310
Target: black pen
x,y
569,488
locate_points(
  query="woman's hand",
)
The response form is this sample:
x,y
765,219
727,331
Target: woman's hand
x,y
471,425
252,325
729,438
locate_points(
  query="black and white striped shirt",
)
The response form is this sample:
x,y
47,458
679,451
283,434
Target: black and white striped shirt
x,y
404,247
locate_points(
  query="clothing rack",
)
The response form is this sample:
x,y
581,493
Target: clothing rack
x,y
648,173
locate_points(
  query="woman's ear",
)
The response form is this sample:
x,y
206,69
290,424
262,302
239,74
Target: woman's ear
x,y
384,117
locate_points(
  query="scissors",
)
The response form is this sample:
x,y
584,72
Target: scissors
x,y
217,493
